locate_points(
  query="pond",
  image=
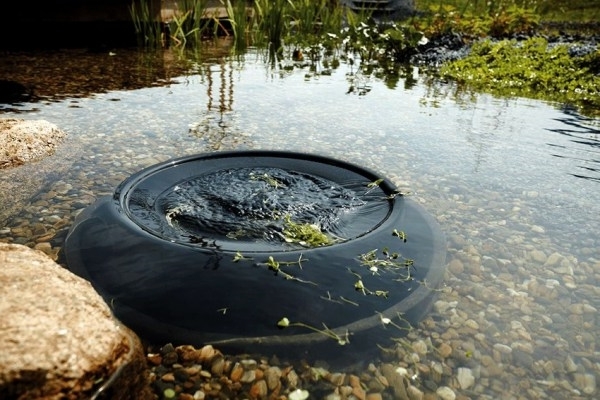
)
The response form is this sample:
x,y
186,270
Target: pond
x,y
513,183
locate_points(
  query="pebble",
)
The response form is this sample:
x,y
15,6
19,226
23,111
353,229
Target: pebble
x,y
465,378
445,393
298,394
585,382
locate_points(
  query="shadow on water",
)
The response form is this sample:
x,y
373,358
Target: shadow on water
x,y
581,131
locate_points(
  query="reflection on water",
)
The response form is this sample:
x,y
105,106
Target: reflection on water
x,y
502,176
217,123
582,131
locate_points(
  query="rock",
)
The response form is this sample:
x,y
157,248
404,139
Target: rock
x,y
456,266
538,256
414,393
24,148
259,389
554,259
396,381
273,377
23,141
585,382
445,393
465,378
444,350
298,394
59,338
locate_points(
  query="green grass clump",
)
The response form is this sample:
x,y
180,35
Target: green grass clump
x,y
530,69
548,10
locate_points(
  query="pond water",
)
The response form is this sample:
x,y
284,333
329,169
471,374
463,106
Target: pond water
x,y
514,184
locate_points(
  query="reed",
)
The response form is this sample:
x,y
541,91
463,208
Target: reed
x,y
148,27
272,22
240,18
191,22
315,17
264,23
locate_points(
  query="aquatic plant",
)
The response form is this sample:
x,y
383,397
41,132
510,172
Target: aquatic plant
x,y
191,22
550,10
341,339
404,324
239,256
309,235
240,21
391,261
275,266
496,20
273,182
312,19
272,21
359,286
147,26
530,69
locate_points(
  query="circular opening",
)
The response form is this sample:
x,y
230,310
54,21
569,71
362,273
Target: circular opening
x,y
259,208
220,248
267,202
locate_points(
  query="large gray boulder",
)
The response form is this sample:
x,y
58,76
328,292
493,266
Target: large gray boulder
x,y
58,338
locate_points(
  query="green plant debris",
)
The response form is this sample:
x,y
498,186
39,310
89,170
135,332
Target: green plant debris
x,y
275,266
400,234
341,300
236,234
375,183
341,339
385,321
389,261
239,256
273,182
169,393
425,284
395,194
309,235
359,286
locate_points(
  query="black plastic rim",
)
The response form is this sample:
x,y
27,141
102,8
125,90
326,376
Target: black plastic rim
x,y
196,292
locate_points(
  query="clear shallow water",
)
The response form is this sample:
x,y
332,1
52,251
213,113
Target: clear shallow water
x,y
502,176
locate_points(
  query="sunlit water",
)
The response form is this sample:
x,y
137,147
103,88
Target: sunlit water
x,y
514,183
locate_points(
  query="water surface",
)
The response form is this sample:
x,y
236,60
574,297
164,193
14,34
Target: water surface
x,y
514,183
